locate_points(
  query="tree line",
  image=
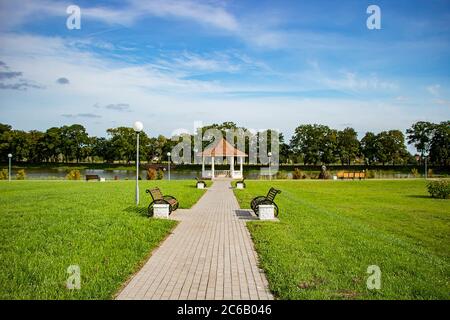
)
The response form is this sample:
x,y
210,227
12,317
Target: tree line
x,y
310,144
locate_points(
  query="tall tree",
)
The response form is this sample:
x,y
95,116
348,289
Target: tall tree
x,y
52,144
369,146
314,143
420,135
391,147
35,146
5,131
348,145
440,144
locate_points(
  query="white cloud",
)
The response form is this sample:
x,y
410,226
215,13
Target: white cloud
x,y
16,13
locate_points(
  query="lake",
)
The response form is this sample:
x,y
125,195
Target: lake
x,y
175,174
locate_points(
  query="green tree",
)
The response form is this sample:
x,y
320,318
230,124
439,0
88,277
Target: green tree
x,y
123,142
103,148
420,135
348,145
440,144
74,139
18,144
35,146
391,147
369,146
5,131
314,143
52,144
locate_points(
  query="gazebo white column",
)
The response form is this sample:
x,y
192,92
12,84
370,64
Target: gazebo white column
x,y
212,167
232,167
241,166
203,166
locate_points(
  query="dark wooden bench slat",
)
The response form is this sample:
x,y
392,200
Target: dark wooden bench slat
x,y
268,199
159,198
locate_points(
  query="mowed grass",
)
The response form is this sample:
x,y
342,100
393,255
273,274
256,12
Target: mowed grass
x,y
331,231
47,226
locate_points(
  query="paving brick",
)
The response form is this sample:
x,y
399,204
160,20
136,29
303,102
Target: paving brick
x,y
209,255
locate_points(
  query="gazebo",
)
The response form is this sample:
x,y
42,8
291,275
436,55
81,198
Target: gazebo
x,y
222,149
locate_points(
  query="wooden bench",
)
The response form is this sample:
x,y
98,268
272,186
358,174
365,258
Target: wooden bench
x,y
159,198
92,177
268,199
351,175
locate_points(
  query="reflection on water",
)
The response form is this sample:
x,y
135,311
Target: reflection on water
x,y
175,174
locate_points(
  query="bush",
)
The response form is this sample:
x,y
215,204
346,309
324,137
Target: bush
x,y
282,175
415,172
73,175
439,189
151,174
4,174
298,174
21,175
370,174
160,174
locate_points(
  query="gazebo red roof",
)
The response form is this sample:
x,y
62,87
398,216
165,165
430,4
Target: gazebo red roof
x,y
222,149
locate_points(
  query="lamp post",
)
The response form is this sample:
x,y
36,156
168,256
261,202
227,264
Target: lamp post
x,y
270,158
426,170
168,155
137,126
9,166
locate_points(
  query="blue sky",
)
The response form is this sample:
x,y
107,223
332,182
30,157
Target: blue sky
x,y
262,64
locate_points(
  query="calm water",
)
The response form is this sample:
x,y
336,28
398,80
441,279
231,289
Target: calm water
x,y
175,174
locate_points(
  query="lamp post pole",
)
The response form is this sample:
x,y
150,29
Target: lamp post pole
x,y
9,166
137,126
168,155
426,170
270,170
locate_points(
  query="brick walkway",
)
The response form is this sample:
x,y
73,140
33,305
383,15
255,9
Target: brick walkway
x,y
210,255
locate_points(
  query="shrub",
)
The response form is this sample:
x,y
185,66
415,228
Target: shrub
x,y
160,174
439,189
298,174
281,175
151,174
21,175
4,174
415,172
370,174
73,175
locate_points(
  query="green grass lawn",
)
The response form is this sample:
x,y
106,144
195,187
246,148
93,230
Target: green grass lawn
x,y
331,231
47,226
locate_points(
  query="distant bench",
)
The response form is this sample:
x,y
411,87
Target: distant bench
x,y
92,177
351,175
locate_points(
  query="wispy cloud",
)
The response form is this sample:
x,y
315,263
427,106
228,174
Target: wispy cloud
x,y
14,79
81,115
207,13
123,107
9,74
